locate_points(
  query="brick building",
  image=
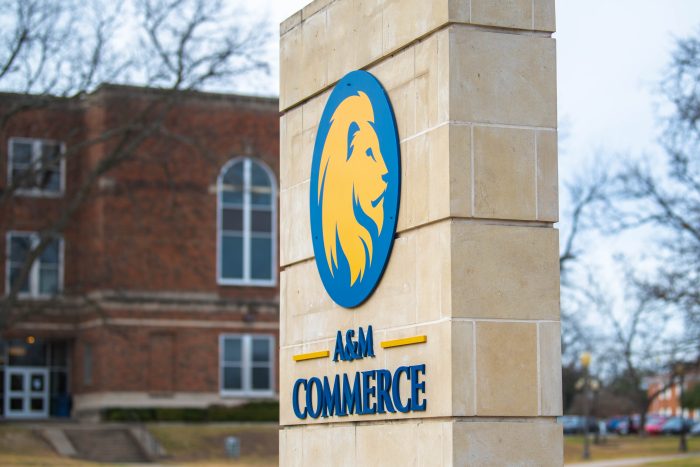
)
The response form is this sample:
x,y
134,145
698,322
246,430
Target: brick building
x,y
667,403
162,290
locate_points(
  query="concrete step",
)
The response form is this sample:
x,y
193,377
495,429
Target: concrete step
x,y
106,445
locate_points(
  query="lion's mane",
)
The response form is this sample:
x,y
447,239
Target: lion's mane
x,y
339,185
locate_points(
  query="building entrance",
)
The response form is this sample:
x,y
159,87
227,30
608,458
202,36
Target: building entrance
x,y
34,379
27,394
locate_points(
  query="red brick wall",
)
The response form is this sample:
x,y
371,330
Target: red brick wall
x,y
147,230
124,359
151,223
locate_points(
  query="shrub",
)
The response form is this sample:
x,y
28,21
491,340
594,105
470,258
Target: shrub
x,y
250,412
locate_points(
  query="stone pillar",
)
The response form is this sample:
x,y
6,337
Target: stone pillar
x,y
474,266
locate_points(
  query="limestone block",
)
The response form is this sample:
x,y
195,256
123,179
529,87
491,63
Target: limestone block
x,y
431,75
544,18
515,14
547,176
290,332
506,369
290,371
314,7
396,75
436,355
343,435
504,272
433,273
426,443
295,228
460,11
406,20
306,303
393,303
290,81
425,188
422,443
315,444
460,170
502,78
414,285
291,448
298,129
354,35
322,42
550,368
463,368
445,370
434,443
383,444
290,23
504,173
291,152
314,52
498,443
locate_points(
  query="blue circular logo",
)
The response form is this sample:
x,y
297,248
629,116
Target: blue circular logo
x,y
355,186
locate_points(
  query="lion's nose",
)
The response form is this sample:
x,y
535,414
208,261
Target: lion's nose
x,y
385,177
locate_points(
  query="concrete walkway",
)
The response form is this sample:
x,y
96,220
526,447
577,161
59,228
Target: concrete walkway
x,y
635,460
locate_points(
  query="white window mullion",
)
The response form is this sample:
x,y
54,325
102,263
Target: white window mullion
x,y
34,273
36,161
245,364
246,218
219,231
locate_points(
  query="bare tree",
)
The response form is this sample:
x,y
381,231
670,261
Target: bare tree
x,y
588,198
55,53
634,340
665,193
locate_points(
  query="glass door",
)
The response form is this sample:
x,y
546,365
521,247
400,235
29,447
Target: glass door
x,y
26,392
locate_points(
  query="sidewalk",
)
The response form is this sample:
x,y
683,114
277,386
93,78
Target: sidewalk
x,y
635,460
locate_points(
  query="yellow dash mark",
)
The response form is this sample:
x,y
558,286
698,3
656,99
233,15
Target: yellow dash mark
x,y
311,355
404,341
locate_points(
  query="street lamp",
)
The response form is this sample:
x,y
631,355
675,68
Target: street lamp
x,y
585,363
680,371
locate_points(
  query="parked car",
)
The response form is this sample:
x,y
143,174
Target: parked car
x,y
630,425
574,424
676,426
654,424
695,430
614,422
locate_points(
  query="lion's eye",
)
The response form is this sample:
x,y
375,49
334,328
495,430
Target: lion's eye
x,y
370,154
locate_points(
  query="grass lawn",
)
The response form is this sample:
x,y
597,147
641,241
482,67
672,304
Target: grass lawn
x,y
195,443
202,445
627,446
20,446
678,462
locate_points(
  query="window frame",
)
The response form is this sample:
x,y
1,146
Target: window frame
x,y
34,273
247,366
247,207
36,143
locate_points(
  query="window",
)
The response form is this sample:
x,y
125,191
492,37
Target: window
x,y
246,224
36,166
246,364
46,275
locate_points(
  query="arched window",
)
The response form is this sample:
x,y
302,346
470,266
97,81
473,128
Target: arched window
x,y
246,224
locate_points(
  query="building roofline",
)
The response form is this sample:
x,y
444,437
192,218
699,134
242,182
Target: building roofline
x,y
120,89
111,89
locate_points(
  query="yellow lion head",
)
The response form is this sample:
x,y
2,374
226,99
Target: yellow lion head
x,y
351,173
